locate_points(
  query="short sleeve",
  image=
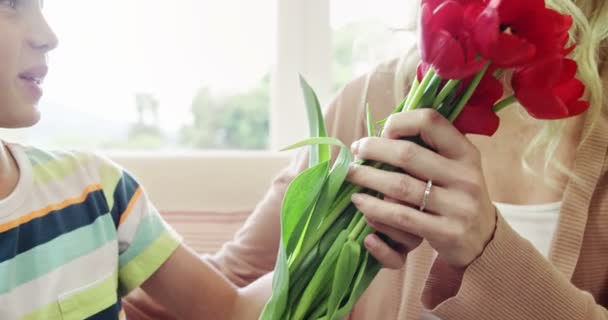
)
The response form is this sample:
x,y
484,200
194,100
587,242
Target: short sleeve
x,y
145,240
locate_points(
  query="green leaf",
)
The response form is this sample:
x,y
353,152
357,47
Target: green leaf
x,y
300,277
316,124
335,180
297,205
320,312
339,171
321,279
329,193
346,268
313,141
277,304
340,167
368,270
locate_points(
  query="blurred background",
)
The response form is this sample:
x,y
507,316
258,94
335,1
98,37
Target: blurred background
x,y
195,96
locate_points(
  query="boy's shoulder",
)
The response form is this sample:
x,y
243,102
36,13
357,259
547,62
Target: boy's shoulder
x,y
53,168
65,161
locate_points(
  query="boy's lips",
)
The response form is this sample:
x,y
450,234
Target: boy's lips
x,y
35,75
33,79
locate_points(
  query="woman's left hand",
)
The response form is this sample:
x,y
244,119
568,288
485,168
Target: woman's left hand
x,y
459,218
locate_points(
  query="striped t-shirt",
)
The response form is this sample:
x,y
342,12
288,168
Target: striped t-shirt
x,y
76,234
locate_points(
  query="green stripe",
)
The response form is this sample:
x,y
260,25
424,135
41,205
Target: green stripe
x,y
144,265
45,258
110,176
149,229
50,312
37,156
58,169
81,305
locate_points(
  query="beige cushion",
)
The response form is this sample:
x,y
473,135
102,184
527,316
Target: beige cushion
x,y
205,232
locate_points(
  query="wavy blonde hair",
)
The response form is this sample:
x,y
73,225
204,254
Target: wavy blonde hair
x,y
589,31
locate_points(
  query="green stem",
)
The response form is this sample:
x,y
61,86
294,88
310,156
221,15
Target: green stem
x,y
504,103
447,89
360,225
413,103
413,89
468,93
366,231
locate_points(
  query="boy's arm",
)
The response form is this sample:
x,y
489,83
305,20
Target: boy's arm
x,y
192,289
151,255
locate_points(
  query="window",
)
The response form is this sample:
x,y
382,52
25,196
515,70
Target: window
x,y
366,33
190,74
158,75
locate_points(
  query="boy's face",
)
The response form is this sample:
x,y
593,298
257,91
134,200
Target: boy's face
x,y
25,40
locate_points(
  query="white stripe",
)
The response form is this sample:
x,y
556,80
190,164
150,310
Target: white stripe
x,y
128,228
77,274
56,192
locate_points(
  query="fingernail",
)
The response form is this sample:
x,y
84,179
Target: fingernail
x,y
354,148
356,198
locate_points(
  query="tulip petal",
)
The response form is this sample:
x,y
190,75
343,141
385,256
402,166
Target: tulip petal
x,y
476,119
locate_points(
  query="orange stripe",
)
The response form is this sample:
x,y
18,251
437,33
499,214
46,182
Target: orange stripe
x,y
43,212
132,202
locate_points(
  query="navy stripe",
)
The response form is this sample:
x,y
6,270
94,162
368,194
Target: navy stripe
x,y
123,193
110,313
44,229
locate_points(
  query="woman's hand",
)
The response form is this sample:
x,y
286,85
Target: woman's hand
x,y
458,219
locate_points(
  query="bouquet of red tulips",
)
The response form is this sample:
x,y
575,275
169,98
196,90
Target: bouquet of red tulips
x,y
466,46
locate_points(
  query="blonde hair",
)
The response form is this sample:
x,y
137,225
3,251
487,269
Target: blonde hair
x,y
589,31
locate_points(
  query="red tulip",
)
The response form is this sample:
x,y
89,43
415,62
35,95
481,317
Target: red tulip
x,y
526,32
548,89
478,117
489,90
447,39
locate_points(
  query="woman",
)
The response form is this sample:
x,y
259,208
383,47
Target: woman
x,y
542,255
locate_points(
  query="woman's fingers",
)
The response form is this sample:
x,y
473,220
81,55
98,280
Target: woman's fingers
x,y
387,256
415,160
398,216
404,239
401,187
434,129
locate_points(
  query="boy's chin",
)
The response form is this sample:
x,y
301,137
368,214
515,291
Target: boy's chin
x,y
22,119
